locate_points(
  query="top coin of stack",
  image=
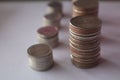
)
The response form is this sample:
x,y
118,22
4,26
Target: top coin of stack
x,y
48,35
85,7
40,57
85,41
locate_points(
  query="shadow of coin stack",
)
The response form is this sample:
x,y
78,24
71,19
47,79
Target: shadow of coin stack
x,y
85,7
85,41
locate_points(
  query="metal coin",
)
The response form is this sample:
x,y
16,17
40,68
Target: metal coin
x,y
40,57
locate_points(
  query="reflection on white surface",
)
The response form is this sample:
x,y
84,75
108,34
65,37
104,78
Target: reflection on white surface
x,y
18,24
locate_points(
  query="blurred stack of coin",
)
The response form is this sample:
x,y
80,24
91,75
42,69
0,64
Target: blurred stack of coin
x,y
40,57
55,7
85,41
52,19
85,7
74,0
48,35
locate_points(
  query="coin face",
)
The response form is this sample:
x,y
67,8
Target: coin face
x,y
47,32
85,22
39,50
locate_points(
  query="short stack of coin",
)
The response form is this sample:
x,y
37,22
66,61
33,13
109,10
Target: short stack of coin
x,y
48,35
52,19
74,0
40,57
55,7
85,41
85,8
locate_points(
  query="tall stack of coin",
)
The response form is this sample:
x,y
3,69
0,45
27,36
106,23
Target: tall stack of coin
x,y
40,57
85,41
52,19
48,35
85,8
55,7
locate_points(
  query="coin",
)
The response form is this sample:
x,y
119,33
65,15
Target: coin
x,y
85,24
83,35
84,55
83,13
47,32
84,66
85,8
52,19
85,60
55,7
48,35
85,5
84,41
40,57
85,46
53,42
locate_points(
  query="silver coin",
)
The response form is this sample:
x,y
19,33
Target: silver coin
x,y
40,57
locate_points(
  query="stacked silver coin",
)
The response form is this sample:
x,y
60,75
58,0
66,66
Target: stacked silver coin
x,y
52,19
85,7
55,7
48,35
40,57
85,41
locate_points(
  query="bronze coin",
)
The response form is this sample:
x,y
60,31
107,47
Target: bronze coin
x,y
47,32
85,24
85,46
89,42
85,5
93,12
84,52
84,35
85,39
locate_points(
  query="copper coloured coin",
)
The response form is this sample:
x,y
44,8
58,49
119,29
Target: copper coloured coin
x,y
85,5
47,32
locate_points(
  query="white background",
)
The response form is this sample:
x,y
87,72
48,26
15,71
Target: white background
x,y
18,24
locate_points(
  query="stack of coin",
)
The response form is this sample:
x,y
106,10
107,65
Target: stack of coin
x,y
52,19
74,0
85,7
40,57
85,41
55,7
48,35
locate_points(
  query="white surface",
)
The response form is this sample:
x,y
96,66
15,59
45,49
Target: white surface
x,y
18,24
